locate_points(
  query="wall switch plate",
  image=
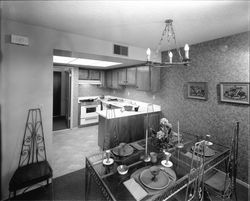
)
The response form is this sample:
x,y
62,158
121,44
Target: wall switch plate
x,y
19,40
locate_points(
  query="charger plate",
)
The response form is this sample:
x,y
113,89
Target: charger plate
x,y
151,191
208,152
161,182
125,151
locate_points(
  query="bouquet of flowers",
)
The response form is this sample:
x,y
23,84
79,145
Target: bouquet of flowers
x,y
164,134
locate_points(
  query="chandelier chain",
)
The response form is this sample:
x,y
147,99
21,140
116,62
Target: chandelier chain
x,y
171,34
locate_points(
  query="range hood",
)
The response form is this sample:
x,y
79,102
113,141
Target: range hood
x,y
93,82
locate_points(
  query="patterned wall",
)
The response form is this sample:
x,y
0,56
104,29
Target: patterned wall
x,y
221,60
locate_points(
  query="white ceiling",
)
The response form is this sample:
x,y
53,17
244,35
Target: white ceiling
x,y
137,23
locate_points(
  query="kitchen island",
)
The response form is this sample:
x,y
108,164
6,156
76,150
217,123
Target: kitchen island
x,y
117,125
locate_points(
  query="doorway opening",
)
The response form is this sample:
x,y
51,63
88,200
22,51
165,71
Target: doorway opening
x,y
61,98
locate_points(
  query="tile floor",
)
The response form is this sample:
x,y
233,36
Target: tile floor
x,y
71,146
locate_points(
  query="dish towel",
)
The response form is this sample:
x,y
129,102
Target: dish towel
x,y
135,189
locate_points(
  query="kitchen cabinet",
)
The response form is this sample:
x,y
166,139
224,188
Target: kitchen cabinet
x,y
155,79
148,79
143,81
102,79
122,76
115,84
109,79
112,77
145,78
87,74
131,76
94,75
83,74
127,129
127,76
152,121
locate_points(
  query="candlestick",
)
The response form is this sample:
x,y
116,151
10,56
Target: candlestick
x,y
186,48
178,132
179,145
146,148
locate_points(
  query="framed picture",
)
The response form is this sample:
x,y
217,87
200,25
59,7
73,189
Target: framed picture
x,y
197,90
234,92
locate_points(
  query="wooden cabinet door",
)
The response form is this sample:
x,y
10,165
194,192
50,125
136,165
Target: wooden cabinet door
x,y
109,79
155,79
103,78
153,121
83,74
122,80
115,84
143,81
131,76
94,75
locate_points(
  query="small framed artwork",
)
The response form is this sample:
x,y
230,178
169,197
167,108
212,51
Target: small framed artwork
x,y
197,90
235,92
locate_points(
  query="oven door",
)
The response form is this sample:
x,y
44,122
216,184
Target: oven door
x,y
90,109
88,114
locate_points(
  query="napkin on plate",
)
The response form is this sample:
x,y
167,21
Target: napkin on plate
x,y
135,189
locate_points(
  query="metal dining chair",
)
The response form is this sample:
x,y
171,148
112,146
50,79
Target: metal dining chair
x,y
195,185
223,185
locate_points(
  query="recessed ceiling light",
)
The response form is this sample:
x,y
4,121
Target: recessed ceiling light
x,y
62,60
84,62
91,62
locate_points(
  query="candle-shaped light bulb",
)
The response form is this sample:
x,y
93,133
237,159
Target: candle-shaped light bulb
x,y
170,54
148,54
186,48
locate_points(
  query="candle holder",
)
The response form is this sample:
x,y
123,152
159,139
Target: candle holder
x,y
179,145
146,158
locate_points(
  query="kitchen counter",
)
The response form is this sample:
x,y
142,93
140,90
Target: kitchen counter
x,y
117,125
120,112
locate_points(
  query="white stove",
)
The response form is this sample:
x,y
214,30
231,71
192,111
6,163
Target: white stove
x,y
88,111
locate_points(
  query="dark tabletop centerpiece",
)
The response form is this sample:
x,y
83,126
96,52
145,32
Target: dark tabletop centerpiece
x,y
162,138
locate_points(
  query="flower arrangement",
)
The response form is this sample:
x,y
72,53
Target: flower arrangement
x,y
163,136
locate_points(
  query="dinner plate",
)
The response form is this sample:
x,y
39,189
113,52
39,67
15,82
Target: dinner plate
x,y
161,182
208,152
125,151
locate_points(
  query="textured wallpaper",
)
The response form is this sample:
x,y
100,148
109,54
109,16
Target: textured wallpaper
x,y
221,60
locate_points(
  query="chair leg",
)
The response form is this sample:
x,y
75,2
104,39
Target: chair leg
x,y
9,195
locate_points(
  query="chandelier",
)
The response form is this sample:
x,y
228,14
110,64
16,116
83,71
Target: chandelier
x,y
169,33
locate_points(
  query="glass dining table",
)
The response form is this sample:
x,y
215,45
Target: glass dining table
x,y
113,185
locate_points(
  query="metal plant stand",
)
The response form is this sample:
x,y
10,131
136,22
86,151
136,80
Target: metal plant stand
x,y
33,166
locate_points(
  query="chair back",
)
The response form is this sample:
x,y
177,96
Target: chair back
x,y
232,165
33,145
195,185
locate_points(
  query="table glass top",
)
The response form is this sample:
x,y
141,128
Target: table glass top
x,y
180,158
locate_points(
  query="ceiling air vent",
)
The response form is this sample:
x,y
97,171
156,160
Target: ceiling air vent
x,y
120,50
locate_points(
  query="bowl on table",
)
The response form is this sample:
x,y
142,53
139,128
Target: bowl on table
x,y
128,107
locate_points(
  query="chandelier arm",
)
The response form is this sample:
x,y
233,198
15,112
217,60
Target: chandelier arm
x,y
169,33
177,48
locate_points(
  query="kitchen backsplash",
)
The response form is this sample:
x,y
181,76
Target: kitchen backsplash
x,y
221,60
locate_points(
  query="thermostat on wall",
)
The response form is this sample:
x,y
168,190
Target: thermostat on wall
x,y
19,40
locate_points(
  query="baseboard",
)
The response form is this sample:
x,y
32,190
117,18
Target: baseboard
x,y
242,183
